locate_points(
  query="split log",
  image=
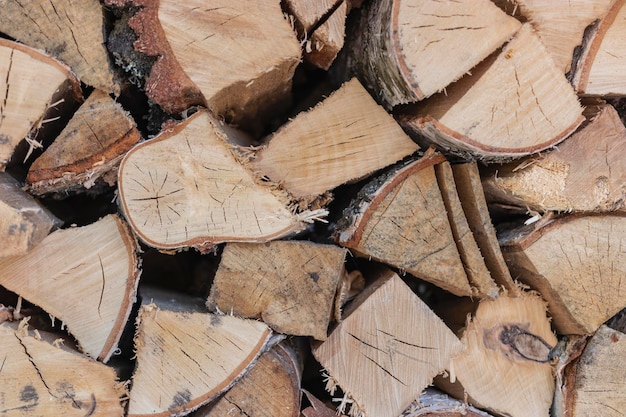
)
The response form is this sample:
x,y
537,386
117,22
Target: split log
x,y
504,366
36,89
70,30
591,383
400,219
327,39
96,265
382,357
561,24
188,188
89,148
598,71
584,174
290,285
187,358
236,58
309,14
513,104
348,137
575,262
434,403
398,43
24,222
40,379
270,389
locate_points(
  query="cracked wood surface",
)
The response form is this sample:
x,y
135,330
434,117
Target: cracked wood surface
x,y
37,378
84,276
382,355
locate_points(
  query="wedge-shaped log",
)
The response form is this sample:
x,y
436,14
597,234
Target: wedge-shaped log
x,y
604,54
187,187
561,24
70,30
504,366
23,221
593,382
400,219
576,263
400,42
86,277
290,285
515,103
270,389
328,39
90,147
36,88
348,136
236,58
187,358
585,173
382,356
39,379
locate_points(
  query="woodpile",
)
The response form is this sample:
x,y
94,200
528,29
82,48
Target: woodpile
x,y
373,208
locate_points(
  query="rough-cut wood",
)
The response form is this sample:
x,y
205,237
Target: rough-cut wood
x,y
599,71
434,403
70,30
310,13
270,389
86,277
504,366
400,219
469,188
328,39
515,103
39,379
477,272
35,88
560,24
317,407
565,355
384,352
186,187
585,173
290,285
236,58
89,148
576,263
186,359
594,383
24,222
348,136
400,42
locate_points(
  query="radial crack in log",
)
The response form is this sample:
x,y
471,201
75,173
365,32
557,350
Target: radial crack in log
x,y
86,277
515,103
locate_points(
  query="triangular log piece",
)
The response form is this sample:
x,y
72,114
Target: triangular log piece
x,y
348,136
290,285
594,383
399,218
39,379
186,359
577,263
387,349
70,30
470,191
599,71
328,39
504,366
85,276
23,221
308,14
187,188
270,389
36,88
434,403
89,148
399,44
585,173
560,24
515,103
236,58
477,273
